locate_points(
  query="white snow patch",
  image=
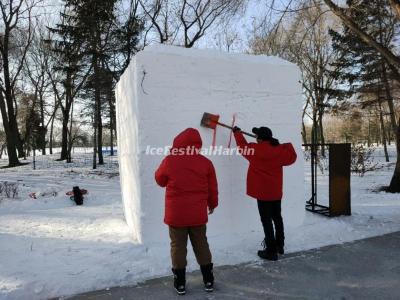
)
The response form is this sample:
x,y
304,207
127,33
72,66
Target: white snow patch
x,y
49,247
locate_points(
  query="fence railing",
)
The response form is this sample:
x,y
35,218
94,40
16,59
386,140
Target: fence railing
x,y
81,158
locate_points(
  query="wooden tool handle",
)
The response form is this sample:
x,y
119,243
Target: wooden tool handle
x,y
230,127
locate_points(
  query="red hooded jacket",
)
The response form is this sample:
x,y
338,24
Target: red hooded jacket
x,y
190,181
265,175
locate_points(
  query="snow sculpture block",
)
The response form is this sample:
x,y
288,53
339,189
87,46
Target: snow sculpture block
x,y
165,90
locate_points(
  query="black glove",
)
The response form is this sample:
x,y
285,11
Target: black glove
x,y
236,129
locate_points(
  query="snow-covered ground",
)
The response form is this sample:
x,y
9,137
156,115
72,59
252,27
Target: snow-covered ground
x,y
51,247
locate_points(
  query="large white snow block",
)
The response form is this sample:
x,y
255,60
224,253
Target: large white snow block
x,y
165,90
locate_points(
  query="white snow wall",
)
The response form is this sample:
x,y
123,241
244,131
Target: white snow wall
x,y
165,90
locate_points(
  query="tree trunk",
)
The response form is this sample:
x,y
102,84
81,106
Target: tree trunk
x,y
64,135
369,132
314,129
43,132
389,99
13,128
51,135
304,129
383,132
7,106
13,160
99,135
94,142
303,132
53,117
19,143
70,141
97,100
111,141
111,104
394,186
97,96
321,132
65,113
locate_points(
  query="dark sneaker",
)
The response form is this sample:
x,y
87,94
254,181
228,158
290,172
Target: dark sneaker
x,y
209,287
280,250
208,277
269,255
179,281
180,290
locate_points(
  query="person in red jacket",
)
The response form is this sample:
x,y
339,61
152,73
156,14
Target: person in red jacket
x,y
191,193
264,183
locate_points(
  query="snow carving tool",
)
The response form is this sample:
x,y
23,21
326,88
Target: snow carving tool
x,y
211,121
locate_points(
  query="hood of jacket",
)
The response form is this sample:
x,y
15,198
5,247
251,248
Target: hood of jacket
x,y
190,137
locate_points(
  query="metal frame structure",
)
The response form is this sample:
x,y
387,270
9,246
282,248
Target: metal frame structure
x,y
312,204
339,180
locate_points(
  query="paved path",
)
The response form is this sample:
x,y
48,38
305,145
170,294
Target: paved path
x,y
365,269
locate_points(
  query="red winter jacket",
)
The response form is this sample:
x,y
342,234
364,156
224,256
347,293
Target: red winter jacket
x,y
190,180
264,177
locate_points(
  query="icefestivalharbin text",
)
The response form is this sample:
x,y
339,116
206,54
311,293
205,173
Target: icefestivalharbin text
x,y
191,150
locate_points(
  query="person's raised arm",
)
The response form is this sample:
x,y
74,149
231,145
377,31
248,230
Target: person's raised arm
x,y
288,155
242,144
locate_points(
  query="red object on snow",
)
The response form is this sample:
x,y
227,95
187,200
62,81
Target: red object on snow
x,y
190,181
71,193
265,174
33,195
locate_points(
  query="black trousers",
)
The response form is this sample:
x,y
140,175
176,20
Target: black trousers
x,y
270,212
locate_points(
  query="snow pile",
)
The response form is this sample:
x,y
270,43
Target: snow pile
x,y
165,90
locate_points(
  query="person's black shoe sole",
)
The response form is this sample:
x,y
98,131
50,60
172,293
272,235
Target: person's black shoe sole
x,y
180,293
267,257
209,289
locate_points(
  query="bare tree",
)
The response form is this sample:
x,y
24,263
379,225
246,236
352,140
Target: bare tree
x,y
304,40
15,40
227,38
343,12
185,22
36,71
67,71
